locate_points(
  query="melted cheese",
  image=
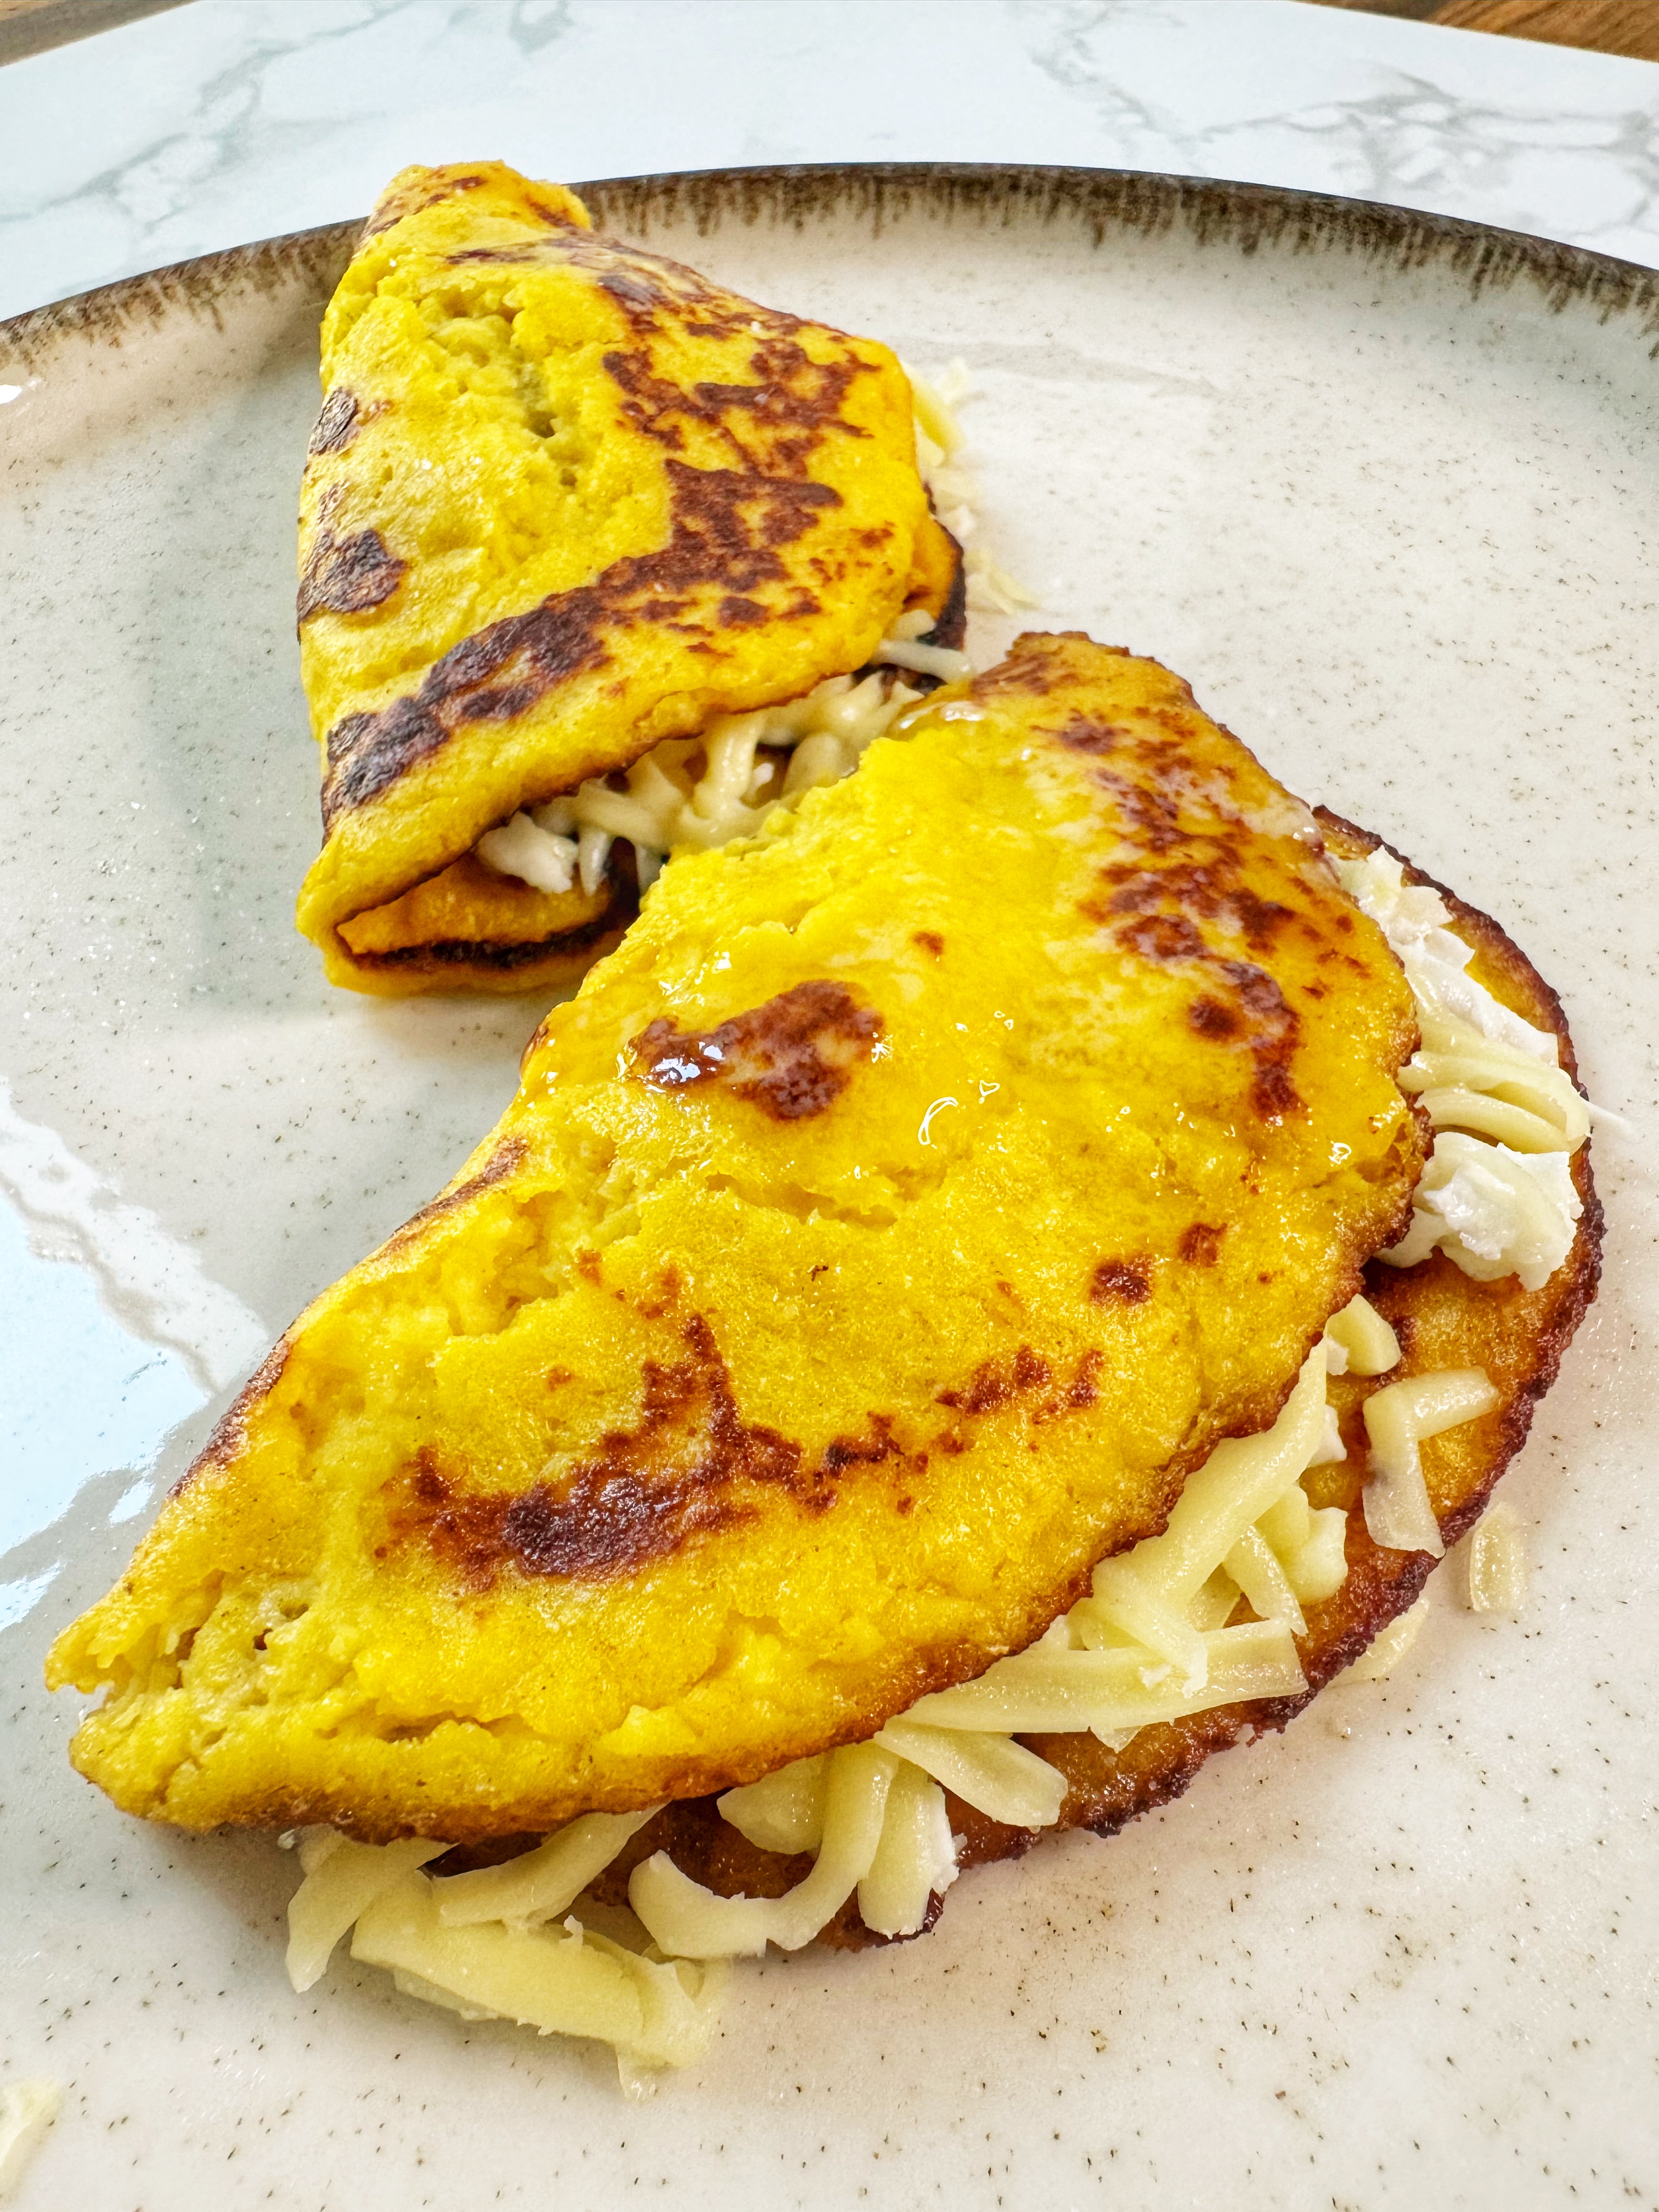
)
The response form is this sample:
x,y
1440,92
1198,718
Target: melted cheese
x,y
568,1982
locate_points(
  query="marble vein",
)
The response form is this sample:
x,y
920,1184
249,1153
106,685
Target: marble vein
x,y
233,119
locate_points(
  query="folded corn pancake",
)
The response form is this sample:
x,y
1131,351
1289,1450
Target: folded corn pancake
x,y
875,1244
1283,1554
569,505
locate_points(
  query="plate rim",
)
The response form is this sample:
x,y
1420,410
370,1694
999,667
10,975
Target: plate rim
x,y
278,267
1214,211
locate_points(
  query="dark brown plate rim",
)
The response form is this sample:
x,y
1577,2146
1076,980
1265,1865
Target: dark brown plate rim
x,y
1246,217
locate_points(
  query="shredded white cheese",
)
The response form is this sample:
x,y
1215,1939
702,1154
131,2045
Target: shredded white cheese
x,y
1494,1211
915,1858
1310,1544
543,1884
342,1880
1051,1689
535,855
1498,1562
954,488
1384,1652
1359,1342
1398,1418
693,794
1417,924
568,1982
691,1922
1498,1196
993,1773
27,2109
1468,1081
782,1812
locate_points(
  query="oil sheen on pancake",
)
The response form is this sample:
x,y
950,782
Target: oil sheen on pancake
x,y
565,499
875,1242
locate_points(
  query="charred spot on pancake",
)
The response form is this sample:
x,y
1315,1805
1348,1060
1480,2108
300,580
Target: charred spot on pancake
x,y
1200,1245
347,575
1272,1094
952,626
843,1452
1260,919
1163,937
793,1056
366,752
607,1523
1084,1388
667,1298
995,1386
687,1468
553,217
727,527
1261,1019
1184,897
1087,734
336,422
1272,1041
1122,1282
790,390
648,1491
1211,1019
1036,664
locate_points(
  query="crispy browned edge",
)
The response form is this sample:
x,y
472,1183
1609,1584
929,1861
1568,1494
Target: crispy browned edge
x,y
548,963
1109,1788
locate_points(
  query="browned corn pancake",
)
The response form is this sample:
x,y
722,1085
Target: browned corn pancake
x,y
1442,1319
564,499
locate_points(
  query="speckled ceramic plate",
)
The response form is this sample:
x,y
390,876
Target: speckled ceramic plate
x,y
1384,488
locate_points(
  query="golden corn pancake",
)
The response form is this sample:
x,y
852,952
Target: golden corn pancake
x,y
568,505
876,1242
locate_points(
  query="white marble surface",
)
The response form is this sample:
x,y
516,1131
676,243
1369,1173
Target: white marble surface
x,y
225,121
